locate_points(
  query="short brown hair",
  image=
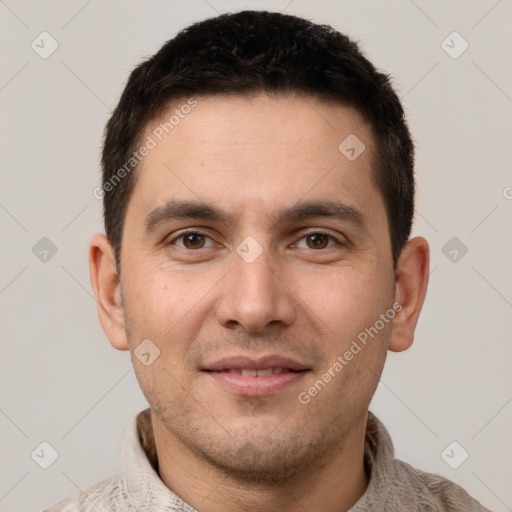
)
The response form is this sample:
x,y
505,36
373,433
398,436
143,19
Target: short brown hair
x,y
253,51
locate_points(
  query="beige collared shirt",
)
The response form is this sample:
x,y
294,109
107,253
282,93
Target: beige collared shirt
x,y
393,485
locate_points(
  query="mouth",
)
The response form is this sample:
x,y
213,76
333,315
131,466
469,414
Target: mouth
x,y
261,376
256,372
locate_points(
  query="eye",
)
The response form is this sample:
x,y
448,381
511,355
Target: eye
x,y
318,240
192,240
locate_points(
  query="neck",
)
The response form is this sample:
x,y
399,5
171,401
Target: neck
x,y
333,484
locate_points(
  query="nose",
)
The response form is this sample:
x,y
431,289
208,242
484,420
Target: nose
x,y
255,295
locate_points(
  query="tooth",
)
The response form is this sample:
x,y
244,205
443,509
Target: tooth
x,y
265,373
236,371
276,371
249,372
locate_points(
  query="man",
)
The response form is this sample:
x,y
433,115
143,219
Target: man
x,y
258,196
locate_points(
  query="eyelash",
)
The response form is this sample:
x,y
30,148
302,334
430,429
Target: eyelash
x,y
194,232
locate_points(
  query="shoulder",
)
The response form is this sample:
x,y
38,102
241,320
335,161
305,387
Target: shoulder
x,y
432,492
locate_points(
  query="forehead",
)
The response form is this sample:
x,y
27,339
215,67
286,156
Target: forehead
x,y
242,152
289,126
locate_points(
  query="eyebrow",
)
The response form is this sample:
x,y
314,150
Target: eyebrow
x,y
175,210
178,209
329,209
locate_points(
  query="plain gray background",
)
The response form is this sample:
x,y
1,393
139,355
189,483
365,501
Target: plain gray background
x,y
63,384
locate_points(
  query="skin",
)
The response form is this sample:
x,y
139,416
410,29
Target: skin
x,y
304,297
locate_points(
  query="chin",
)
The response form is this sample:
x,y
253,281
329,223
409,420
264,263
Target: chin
x,y
263,460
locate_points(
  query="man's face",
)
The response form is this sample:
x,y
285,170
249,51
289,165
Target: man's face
x,y
250,309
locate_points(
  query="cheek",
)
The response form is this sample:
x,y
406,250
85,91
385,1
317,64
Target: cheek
x,y
160,307
346,300
161,304
350,305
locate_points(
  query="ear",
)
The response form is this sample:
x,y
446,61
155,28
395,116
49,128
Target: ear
x,y
411,282
107,289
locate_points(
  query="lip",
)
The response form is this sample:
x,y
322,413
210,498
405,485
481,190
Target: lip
x,y
256,363
221,371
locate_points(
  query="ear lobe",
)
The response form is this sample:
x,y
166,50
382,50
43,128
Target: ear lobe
x,y
107,289
412,275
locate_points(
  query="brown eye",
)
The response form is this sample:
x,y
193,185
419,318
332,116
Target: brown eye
x,y
317,241
193,241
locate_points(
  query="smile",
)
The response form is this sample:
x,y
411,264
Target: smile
x,y
255,376
252,372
